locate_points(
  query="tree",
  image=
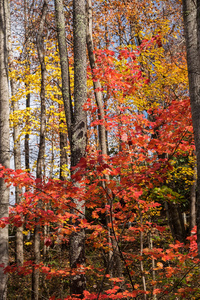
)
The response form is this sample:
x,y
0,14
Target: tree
x,y
4,140
41,153
192,35
76,120
17,147
96,82
66,90
26,140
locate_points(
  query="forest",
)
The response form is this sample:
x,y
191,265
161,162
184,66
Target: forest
x,y
99,149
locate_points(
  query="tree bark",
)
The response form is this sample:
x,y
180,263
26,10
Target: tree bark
x,y
26,140
96,83
191,15
18,191
193,201
79,128
41,154
62,44
176,222
79,139
4,141
63,153
76,122
19,254
17,164
66,92
28,96
40,49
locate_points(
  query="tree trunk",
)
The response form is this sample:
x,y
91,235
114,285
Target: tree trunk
x,y
26,140
79,138
4,141
17,163
76,121
66,94
28,96
41,154
176,222
19,254
193,201
63,153
96,83
40,49
191,15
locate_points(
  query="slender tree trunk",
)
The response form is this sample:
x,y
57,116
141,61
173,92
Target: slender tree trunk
x,y
63,153
153,263
19,257
26,140
76,121
66,94
17,163
191,15
79,138
176,222
4,141
28,95
141,253
40,49
41,154
96,83
193,202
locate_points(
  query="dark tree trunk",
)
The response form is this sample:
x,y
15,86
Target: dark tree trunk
x,y
28,95
176,222
191,15
26,140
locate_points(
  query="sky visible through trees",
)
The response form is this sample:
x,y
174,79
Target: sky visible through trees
x,y
104,171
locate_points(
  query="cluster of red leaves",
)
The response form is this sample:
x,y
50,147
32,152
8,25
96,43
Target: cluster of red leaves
x,y
133,171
